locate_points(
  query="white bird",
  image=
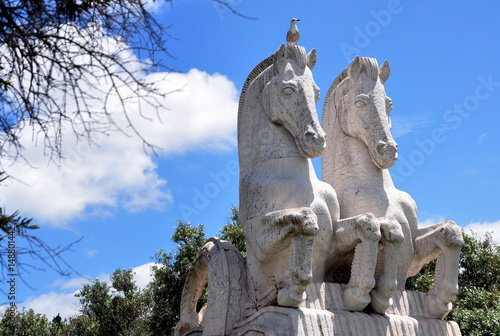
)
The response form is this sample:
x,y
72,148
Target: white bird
x,y
292,36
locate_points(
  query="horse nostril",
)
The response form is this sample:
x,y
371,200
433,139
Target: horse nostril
x,y
310,134
385,148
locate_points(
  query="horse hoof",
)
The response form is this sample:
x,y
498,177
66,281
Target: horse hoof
x,y
379,304
436,308
287,297
355,302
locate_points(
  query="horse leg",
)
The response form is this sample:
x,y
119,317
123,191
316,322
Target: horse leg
x,y
300,225
392,237
444,242
364,232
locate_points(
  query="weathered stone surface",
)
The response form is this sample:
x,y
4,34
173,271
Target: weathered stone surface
x,y
361,148
301,238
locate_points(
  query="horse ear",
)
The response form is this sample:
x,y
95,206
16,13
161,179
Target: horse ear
x,y
354,69
384,71
280,59
311,59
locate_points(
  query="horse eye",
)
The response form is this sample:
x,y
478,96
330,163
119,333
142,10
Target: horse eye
x,y
360,103
289,87
288,90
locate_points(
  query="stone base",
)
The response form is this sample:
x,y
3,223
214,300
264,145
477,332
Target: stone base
x,y
281,321
324,314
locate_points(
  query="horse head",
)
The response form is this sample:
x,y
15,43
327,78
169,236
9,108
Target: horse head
x,y
365,107
290,97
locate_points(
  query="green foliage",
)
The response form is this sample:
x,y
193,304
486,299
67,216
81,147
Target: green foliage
x,y
480,263
118,309
233,232
165,289
424,280
15,222
29,323
477,311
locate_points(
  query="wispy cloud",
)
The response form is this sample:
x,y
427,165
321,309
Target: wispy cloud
x,y
90,252
408,124
481,138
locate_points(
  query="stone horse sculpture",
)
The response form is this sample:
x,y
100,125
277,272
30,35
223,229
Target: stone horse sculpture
x,y
361,148
290,218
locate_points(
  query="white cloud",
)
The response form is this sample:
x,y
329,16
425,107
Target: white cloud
x,y
52,304
200,112
143,274
481,138
75,283
155,6
481,228
90,252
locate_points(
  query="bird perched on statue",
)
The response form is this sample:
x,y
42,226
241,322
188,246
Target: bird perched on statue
x,y
292,36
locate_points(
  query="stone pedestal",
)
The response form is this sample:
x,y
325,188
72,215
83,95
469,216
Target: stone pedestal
x,y
280,321
326,315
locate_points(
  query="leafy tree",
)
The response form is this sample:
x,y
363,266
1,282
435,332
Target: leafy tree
x,y
233,232
165,289
424,280
118,309
29,323
168,280
477,307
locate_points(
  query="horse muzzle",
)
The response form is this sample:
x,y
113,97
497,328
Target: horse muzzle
x,y
313,143
387,153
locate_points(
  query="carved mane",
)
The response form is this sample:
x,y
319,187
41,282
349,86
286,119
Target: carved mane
x,y
251,77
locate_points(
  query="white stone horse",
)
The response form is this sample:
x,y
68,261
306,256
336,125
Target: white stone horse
x,y
361,148
290,218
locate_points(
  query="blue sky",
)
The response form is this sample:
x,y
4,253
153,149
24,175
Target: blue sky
x,y
445,85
